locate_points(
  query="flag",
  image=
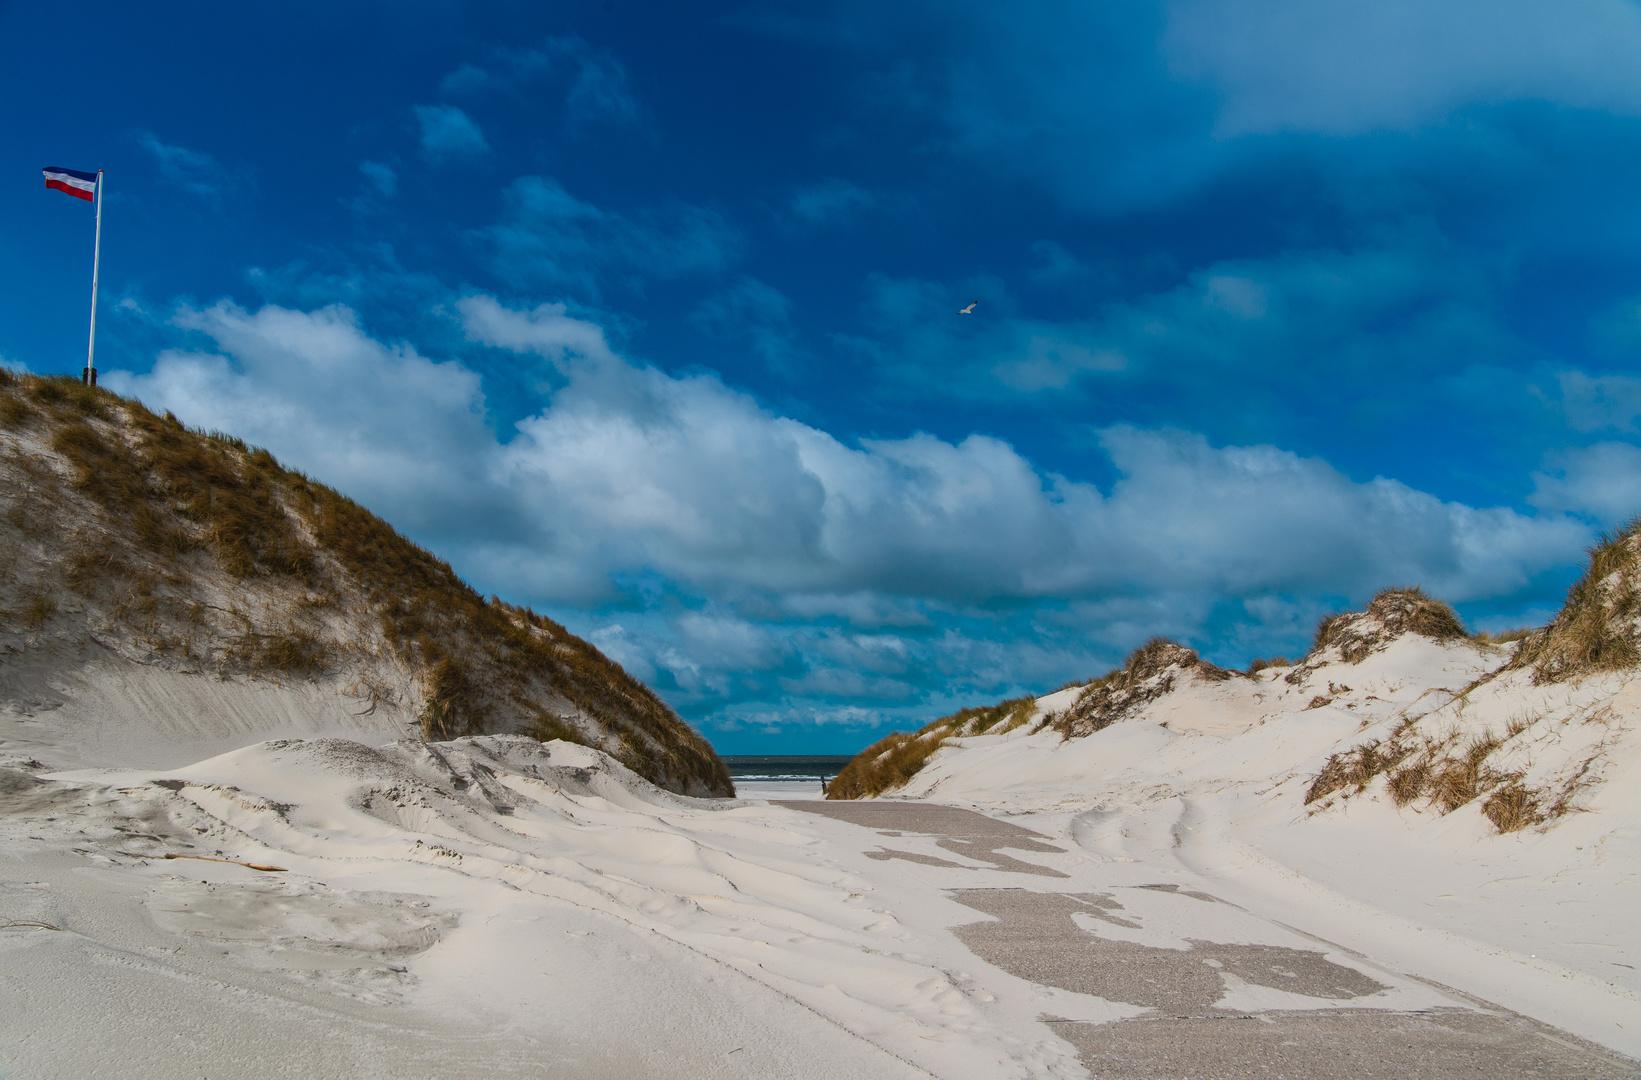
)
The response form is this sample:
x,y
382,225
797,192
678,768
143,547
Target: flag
x,y
81,185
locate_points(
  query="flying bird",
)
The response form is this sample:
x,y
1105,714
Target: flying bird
x,y
970,309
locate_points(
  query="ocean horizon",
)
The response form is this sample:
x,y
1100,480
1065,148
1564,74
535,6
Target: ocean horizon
x,y
784,767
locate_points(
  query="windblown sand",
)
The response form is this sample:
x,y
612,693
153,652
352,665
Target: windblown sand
x,y
1153,900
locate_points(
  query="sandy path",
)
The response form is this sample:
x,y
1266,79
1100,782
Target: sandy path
x,y
1225,992
499,907
404,940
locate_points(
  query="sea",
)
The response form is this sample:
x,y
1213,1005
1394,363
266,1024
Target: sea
x,y
799,776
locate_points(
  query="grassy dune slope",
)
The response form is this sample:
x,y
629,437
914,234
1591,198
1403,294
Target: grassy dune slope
x,y
193,551
1597,631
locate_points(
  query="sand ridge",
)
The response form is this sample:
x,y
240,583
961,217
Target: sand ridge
x,y
1211,780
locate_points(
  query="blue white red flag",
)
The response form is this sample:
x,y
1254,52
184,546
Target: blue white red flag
x,y
81,185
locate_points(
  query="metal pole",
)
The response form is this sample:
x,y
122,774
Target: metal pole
x,y
90,373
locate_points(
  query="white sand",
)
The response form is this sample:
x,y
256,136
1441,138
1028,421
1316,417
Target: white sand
x,y
495,907
543,896
1209,782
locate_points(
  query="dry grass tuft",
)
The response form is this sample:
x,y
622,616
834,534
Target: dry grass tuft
x,y
232,499
93,562
1003,717
1596,629
294,650
1148,673
546,727
893,760
66,396
449,707
886,764
1458,780
1356,767
104,469
289,651
1446,774
14,411
1503,637
38,610
1390,614
1409,782
1512,808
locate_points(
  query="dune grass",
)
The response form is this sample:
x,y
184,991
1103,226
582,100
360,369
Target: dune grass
x,y
1446,772
893,760
1596,629
38,610
1502,637
1390,614
179,505
1146,674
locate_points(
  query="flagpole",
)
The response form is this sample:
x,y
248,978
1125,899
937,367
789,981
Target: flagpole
x,y
90,373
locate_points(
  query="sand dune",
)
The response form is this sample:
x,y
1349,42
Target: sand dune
x,y
497,906
1413,854
1210,780
542,895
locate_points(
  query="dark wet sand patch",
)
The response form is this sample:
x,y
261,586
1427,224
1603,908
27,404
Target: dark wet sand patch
x,y
1036,938
1187,1038
1442,1044
972,835
934,818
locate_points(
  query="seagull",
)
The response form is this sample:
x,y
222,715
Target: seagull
x,y
970,309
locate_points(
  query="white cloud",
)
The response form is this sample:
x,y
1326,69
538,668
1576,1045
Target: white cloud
x,y
1240,296
1602,401
195,171
831,202
1116,105
383,423
699,482
757,314
599,90
1049,361
467,78
1319,317
549,236
1246,520
1340,69
631,469
838,570
1601,481
547,330
381,177
448,133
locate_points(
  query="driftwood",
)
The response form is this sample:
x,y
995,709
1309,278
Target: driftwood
x,y
264,867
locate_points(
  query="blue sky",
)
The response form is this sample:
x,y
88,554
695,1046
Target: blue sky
x,y
646,315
